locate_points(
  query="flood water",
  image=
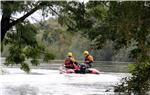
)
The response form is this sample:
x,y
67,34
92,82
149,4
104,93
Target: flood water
x,y
51,82
47,80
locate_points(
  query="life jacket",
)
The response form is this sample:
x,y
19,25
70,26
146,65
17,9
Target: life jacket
x,y
68,62
89,58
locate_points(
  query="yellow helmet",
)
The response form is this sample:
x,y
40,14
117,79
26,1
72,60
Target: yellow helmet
x,y
85,53
70,54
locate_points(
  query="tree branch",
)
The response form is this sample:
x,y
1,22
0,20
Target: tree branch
x,y
25,16
6,26
62,16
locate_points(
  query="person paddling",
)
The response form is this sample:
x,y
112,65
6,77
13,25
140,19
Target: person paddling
x,y
88,59
70,62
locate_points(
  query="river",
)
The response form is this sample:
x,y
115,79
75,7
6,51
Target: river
x,y
50,82
46,80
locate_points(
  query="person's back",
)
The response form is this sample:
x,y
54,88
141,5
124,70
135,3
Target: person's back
x,y
88,59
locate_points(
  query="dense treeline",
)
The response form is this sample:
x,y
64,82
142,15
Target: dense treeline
x,y
59,41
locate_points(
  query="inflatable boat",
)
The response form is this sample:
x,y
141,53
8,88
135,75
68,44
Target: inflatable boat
x,y
86,71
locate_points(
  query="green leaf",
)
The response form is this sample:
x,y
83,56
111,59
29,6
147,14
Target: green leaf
x,y
131,67
25,67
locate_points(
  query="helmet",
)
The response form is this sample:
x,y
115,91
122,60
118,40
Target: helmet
x,y
69,53
85,53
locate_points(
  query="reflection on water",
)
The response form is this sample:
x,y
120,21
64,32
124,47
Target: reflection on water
x,y
50,82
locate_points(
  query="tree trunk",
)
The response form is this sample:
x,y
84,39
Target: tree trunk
x,y
5,23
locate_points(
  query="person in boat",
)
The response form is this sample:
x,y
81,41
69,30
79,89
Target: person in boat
x,y
70,62
88,59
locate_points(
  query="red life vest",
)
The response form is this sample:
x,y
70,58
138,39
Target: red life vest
x,y
68,62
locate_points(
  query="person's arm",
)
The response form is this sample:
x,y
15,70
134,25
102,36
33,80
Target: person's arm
x,y
90,59
72,59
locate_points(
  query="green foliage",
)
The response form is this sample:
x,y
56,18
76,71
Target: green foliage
x,y
120,22
16,56
78,45
139,81
25,67
23,46
22,42
49,56
105,53
60,41
34,62
131,67
12,7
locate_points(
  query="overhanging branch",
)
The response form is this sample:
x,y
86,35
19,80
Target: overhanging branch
x,y
62,16
6,25
25,16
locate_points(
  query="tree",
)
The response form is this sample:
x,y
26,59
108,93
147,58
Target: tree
x,y
129,20
60,41
28,7
20,34
16,31
120,22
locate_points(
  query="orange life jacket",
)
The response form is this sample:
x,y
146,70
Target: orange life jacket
x,y
89,58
